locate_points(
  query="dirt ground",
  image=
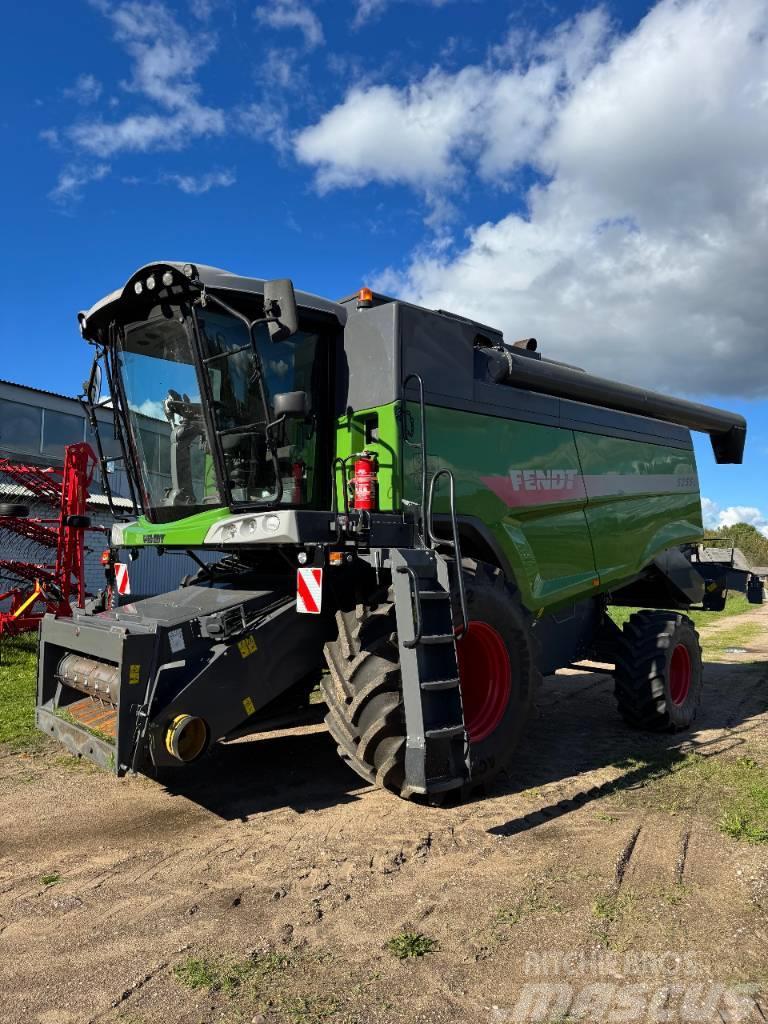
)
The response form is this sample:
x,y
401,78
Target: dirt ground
x,y
273,865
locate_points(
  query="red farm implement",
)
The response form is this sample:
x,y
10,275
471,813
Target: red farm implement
x,y
36,582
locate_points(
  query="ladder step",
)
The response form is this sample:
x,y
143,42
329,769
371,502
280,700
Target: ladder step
x,y
441,684
445,733
438,638
434,595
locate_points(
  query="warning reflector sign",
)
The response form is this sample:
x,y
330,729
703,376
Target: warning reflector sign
x,y
309,591
122,582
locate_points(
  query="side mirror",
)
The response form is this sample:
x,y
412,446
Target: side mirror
x,y
280,303
92,387
291,404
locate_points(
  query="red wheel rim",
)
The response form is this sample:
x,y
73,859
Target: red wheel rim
x,y
486,679
679,674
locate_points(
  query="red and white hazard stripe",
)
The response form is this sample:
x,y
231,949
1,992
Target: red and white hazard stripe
x,y
309,591
122,582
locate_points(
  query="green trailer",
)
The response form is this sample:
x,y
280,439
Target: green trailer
x,y
401,503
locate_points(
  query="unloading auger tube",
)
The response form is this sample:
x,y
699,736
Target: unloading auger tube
x,y
521,366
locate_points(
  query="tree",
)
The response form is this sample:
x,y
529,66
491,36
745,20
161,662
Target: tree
x,y
747,538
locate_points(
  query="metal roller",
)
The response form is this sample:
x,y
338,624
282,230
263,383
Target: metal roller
x,y
96,678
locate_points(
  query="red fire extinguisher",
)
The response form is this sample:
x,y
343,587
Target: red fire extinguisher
x,y
365,481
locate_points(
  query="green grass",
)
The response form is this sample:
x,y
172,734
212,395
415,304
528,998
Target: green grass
x,y
228,974
310,1009
741,635
410,944
18,669
537,900
736,604
611,907
261,981
51,878
731,792
609,910
213,974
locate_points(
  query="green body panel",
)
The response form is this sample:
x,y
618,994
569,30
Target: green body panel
x,y
184,533
351,438
574,513
652,502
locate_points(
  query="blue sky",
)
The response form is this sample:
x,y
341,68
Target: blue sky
x,y
591,174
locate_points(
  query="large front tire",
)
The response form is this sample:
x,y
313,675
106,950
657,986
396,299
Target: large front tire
x,y
497,668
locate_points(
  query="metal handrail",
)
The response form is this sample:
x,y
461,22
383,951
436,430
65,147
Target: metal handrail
x,y
340,463
410,644
422,445
434,540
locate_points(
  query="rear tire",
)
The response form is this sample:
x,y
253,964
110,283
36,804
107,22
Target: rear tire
x,y
658,672
363,689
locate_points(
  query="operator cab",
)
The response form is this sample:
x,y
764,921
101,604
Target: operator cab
x,y
218,401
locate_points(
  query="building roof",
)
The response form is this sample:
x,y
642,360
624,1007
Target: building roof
x,y
726,556
41,391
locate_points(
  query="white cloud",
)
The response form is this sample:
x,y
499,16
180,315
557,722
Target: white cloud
x,y
641,252
150,408
85,91
204,9
166,57
283,69
715,516
427,133
267,121
73,179
709,513
197,185
389,135
144,132
282,14
366,10
744,514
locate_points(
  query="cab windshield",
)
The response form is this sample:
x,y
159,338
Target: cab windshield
x,y
163,399
261,458
239,415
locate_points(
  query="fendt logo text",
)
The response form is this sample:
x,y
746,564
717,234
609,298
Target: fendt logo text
x,y
543,479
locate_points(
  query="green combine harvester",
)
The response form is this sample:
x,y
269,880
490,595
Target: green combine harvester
x,y
437,516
